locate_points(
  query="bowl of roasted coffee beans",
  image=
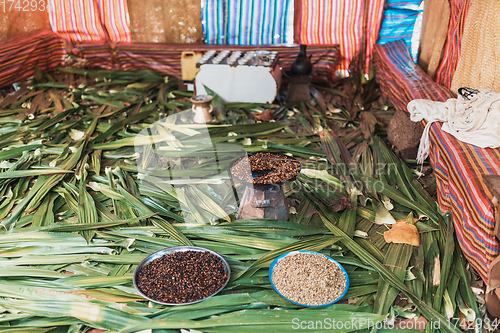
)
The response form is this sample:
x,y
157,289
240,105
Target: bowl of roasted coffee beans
x,y
181,275
308,278
265,168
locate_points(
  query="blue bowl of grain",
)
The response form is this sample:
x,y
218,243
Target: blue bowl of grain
x,y
308,278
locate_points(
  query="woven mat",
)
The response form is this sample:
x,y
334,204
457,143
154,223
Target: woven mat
x,y
479,64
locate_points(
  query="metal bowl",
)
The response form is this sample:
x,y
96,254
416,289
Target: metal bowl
x,y
174,249
273,264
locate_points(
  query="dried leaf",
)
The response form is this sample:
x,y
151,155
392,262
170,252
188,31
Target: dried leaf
x,y
403,233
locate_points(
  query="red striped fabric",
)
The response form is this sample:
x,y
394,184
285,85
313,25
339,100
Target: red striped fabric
x,y
458,166
340,22
375,15
94,55
166,59
84,20
114,16
451,52
397,72
77,20
20,55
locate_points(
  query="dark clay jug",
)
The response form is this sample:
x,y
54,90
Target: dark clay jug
x,y
302,64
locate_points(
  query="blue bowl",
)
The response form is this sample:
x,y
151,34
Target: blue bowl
x,y
271,268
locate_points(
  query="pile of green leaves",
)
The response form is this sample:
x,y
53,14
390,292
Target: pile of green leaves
x,y
76,219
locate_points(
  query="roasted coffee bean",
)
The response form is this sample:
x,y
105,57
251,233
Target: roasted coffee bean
x,y
182,277
265,168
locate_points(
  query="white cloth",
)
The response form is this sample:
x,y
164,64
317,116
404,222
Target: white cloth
x,y
475,120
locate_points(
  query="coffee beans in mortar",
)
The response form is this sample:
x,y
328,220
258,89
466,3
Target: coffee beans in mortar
x,y
182,277
265,168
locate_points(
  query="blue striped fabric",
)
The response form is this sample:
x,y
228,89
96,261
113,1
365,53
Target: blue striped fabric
x,y
399,21
247,22
403,3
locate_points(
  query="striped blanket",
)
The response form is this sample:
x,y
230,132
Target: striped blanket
x,y
399,22
20,55
93,54
247,22
97,20
339,22
166,59
458,166
449,62
260,22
